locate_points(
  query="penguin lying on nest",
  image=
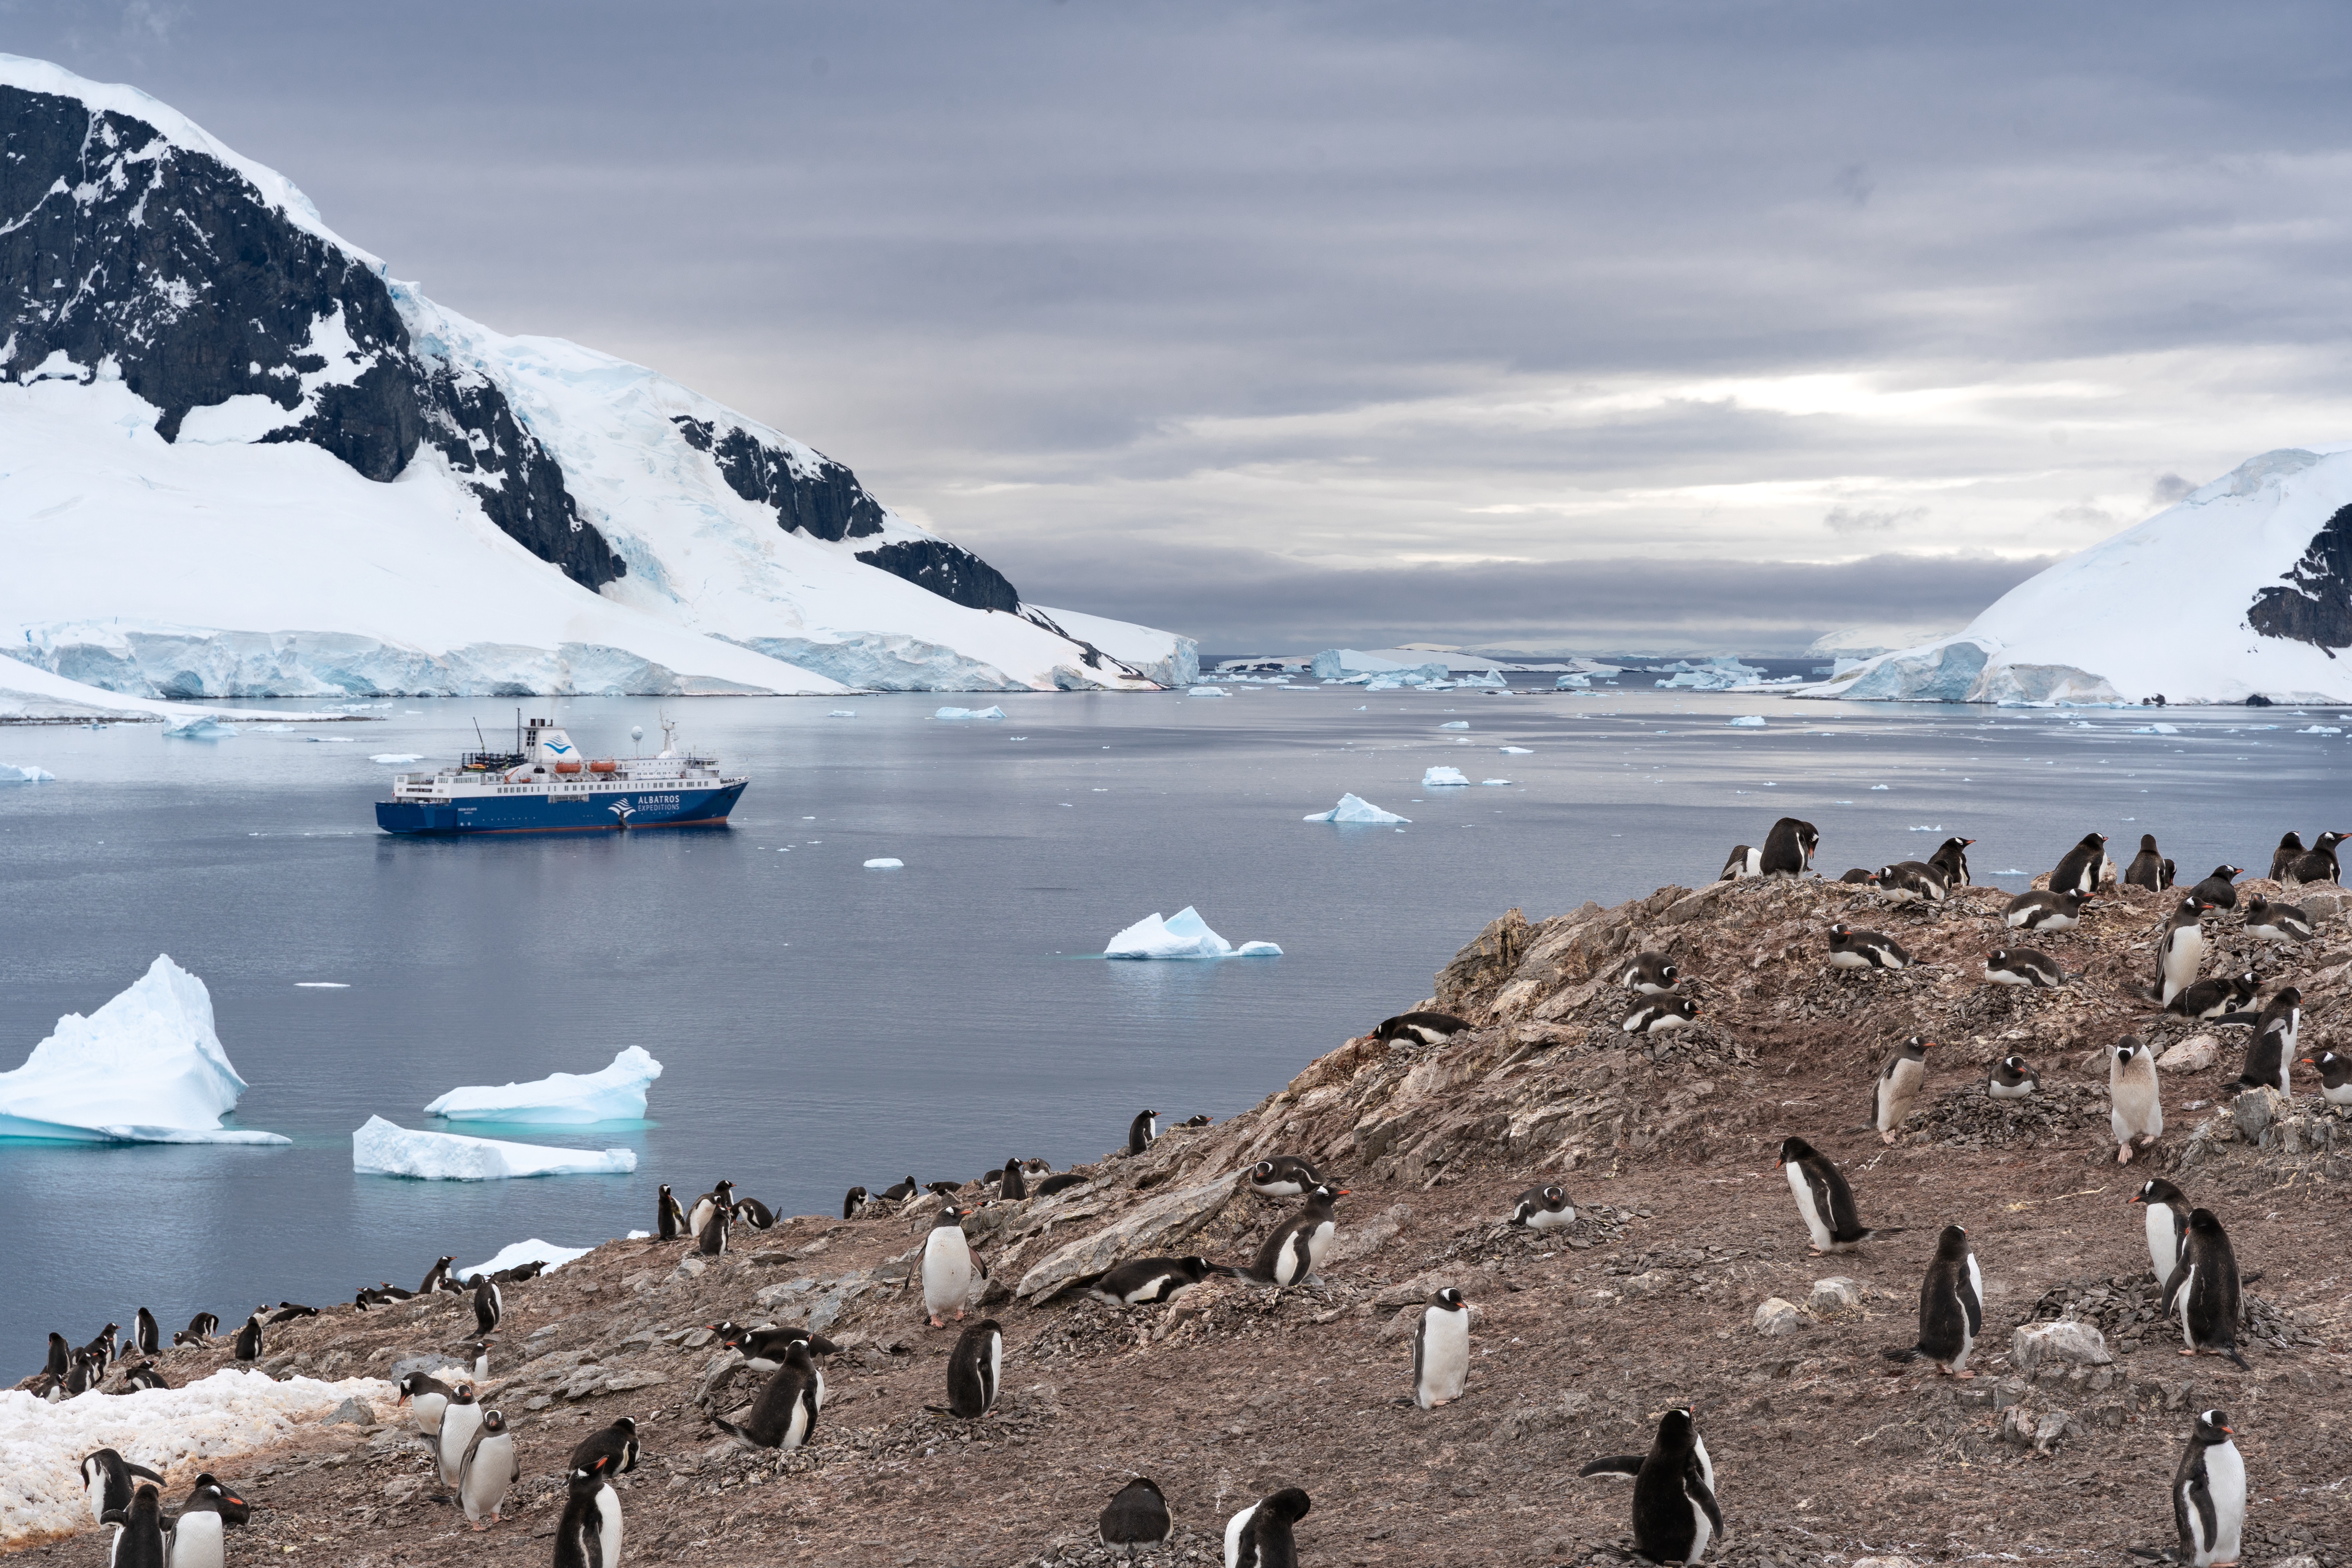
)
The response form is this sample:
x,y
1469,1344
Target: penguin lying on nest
x,y
1421,1029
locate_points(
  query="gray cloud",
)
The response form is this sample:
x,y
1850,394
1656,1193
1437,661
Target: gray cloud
x,y
2168,490
1870,519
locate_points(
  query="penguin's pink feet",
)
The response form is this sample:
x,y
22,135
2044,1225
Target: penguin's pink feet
x,y
1887,1139
958,1315
2124,1154
1964,1374
938,1321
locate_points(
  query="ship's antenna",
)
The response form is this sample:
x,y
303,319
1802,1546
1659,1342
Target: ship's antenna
x,y
477,736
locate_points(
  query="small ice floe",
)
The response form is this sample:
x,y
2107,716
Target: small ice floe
x,y
329,740
1747,721
531,1251
323,985
1930,827
885,864
1455,725
382,1149
1516,750
1356,808
2156,729
1879,786
1207,691
1443,778
969,713
397,759
614,1093
844,713
24,772
202,727
1497,781
2315,730
1184,934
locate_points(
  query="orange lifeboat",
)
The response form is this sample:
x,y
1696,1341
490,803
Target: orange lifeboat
x,y
606,766
567,767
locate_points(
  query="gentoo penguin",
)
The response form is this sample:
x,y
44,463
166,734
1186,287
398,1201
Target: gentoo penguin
x,y
1296,1248
487,1472
948,1269
1860,876
2045,911
899,1191
852,1202
588,1534
2083,867
2179,949
1852,948
60,1355
139,1543
668,1216
2213,998
2208,1498
2149,868
2274,922
481,1361
1204,1119
1951,858
107,1478
2022,966
1284,1177
1259,1536
2273,1047
1142,1131
710,1236
720,1199
755,1213
248,1338
1675,1511
1061,1183
436,1277
768,1343
943,1189
1011,1184
1951,1307
974,1370
2334,1077
1651,973
2283,859
2011,1080
143,1375
1744,861
490,1304
86,1372
1661,1015
1543,1208
2203,1289
2166,1223
429,1395
2135,1102
201,1327
1422,1028
2218,890
616,1445
1823,1200
1910,879
196,1538
2316,864
209,1493
145,1337
1440,1351
460,1419
1137,1515
102,1347
1898,1088
1789,849
784,1414
289,1311
1147,1281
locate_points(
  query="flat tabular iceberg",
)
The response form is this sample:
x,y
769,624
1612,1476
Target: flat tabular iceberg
x,y
1439,778
381,1149
885,864
1206,691
1356,808
396,759
521,1252
1747,721
969,713
1516,750
145,1069
617,1093
1183,935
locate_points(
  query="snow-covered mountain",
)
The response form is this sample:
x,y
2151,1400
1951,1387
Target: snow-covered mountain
x,y
2241,590
241,460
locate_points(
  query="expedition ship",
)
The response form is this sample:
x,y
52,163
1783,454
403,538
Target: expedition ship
x,y
544,785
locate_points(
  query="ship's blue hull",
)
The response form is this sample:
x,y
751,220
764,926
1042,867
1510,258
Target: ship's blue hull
x,y
597,812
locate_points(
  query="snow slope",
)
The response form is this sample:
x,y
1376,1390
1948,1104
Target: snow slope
x,y
2243,588
243,461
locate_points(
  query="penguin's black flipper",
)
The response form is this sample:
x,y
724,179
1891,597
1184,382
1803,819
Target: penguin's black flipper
x,y
2246,1279
142,1470
1695,1488
1615,1465
2248,1019
2235,1359
736,1432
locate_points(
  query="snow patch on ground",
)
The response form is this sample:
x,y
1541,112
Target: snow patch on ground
x,y
1183,935
1356,808
382,1149
522,1252
616,1094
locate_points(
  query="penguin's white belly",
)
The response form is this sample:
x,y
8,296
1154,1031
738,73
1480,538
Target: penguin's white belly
x,y
2008,1091
1816,1221
1706,1465
1702,1530
820,1386
796,1427
486,1482
2341,1095
2225,1481
1318,1242
947,1272
2163,1240
1553,1219
429,1409
1233,1528
1848,960
2181,960
703,1209
1444,1356
197,1540
2181,1305
2007,977
458,1423
608,1531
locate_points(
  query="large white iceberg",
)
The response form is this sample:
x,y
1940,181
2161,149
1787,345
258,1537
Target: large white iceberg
x,y
1356,808
1442,778
200,728
381,1149
617,1093
1184,934
522,1252
144,1068
1721,673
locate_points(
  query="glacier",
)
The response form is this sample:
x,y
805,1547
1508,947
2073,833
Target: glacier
x,y
1356,808
522,1252
382,1149
146,1068
1183,935
614,1093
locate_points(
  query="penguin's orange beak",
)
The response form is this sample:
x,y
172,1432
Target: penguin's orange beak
x,y
2133,1199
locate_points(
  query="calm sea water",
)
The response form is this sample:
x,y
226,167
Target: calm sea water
x,y
821,1025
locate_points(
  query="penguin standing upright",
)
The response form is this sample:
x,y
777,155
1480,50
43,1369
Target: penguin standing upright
x,y
2283,859
60,1356
948,1268
436,1277
2318,863
2203,1289
139,1543
460,1419
1898,1088
249,1339
2179,949
2274,922
710,1236
1823,1200
719,1200
1852,948
107,1479
588,1534
1137,1515
2166,1224
2149,868
785,1413
2218,889
1543,1208
429,1396
2083,867
616,1445
102,1347
2135,1100
1296,1248
2208,1498
198,1535
490,1304
145,1335
1142,1131
1259,1536
1951,858
1675,1514
2011,1080
487,1472
201,1327
1789,849
1440,1351
1011,1184
1951,1307
2273,1047
669,1215
976,1368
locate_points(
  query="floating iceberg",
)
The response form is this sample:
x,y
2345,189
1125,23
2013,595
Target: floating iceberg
x,y
1206,691
1497,781
1492,680
1722,673
145,1069
843,713
969,713
1183,935
522,1252
1455,725
381,1149
2157,730
617,1093
885,864
1516,750
1747,721
25,773
1356,808
1573,681
200,728
1440,778
397,759
2315,730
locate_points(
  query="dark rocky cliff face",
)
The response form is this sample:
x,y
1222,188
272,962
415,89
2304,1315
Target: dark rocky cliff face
x,y
117,245
2315,604
948,570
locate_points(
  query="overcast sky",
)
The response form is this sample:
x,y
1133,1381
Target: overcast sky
x,y
1598,326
